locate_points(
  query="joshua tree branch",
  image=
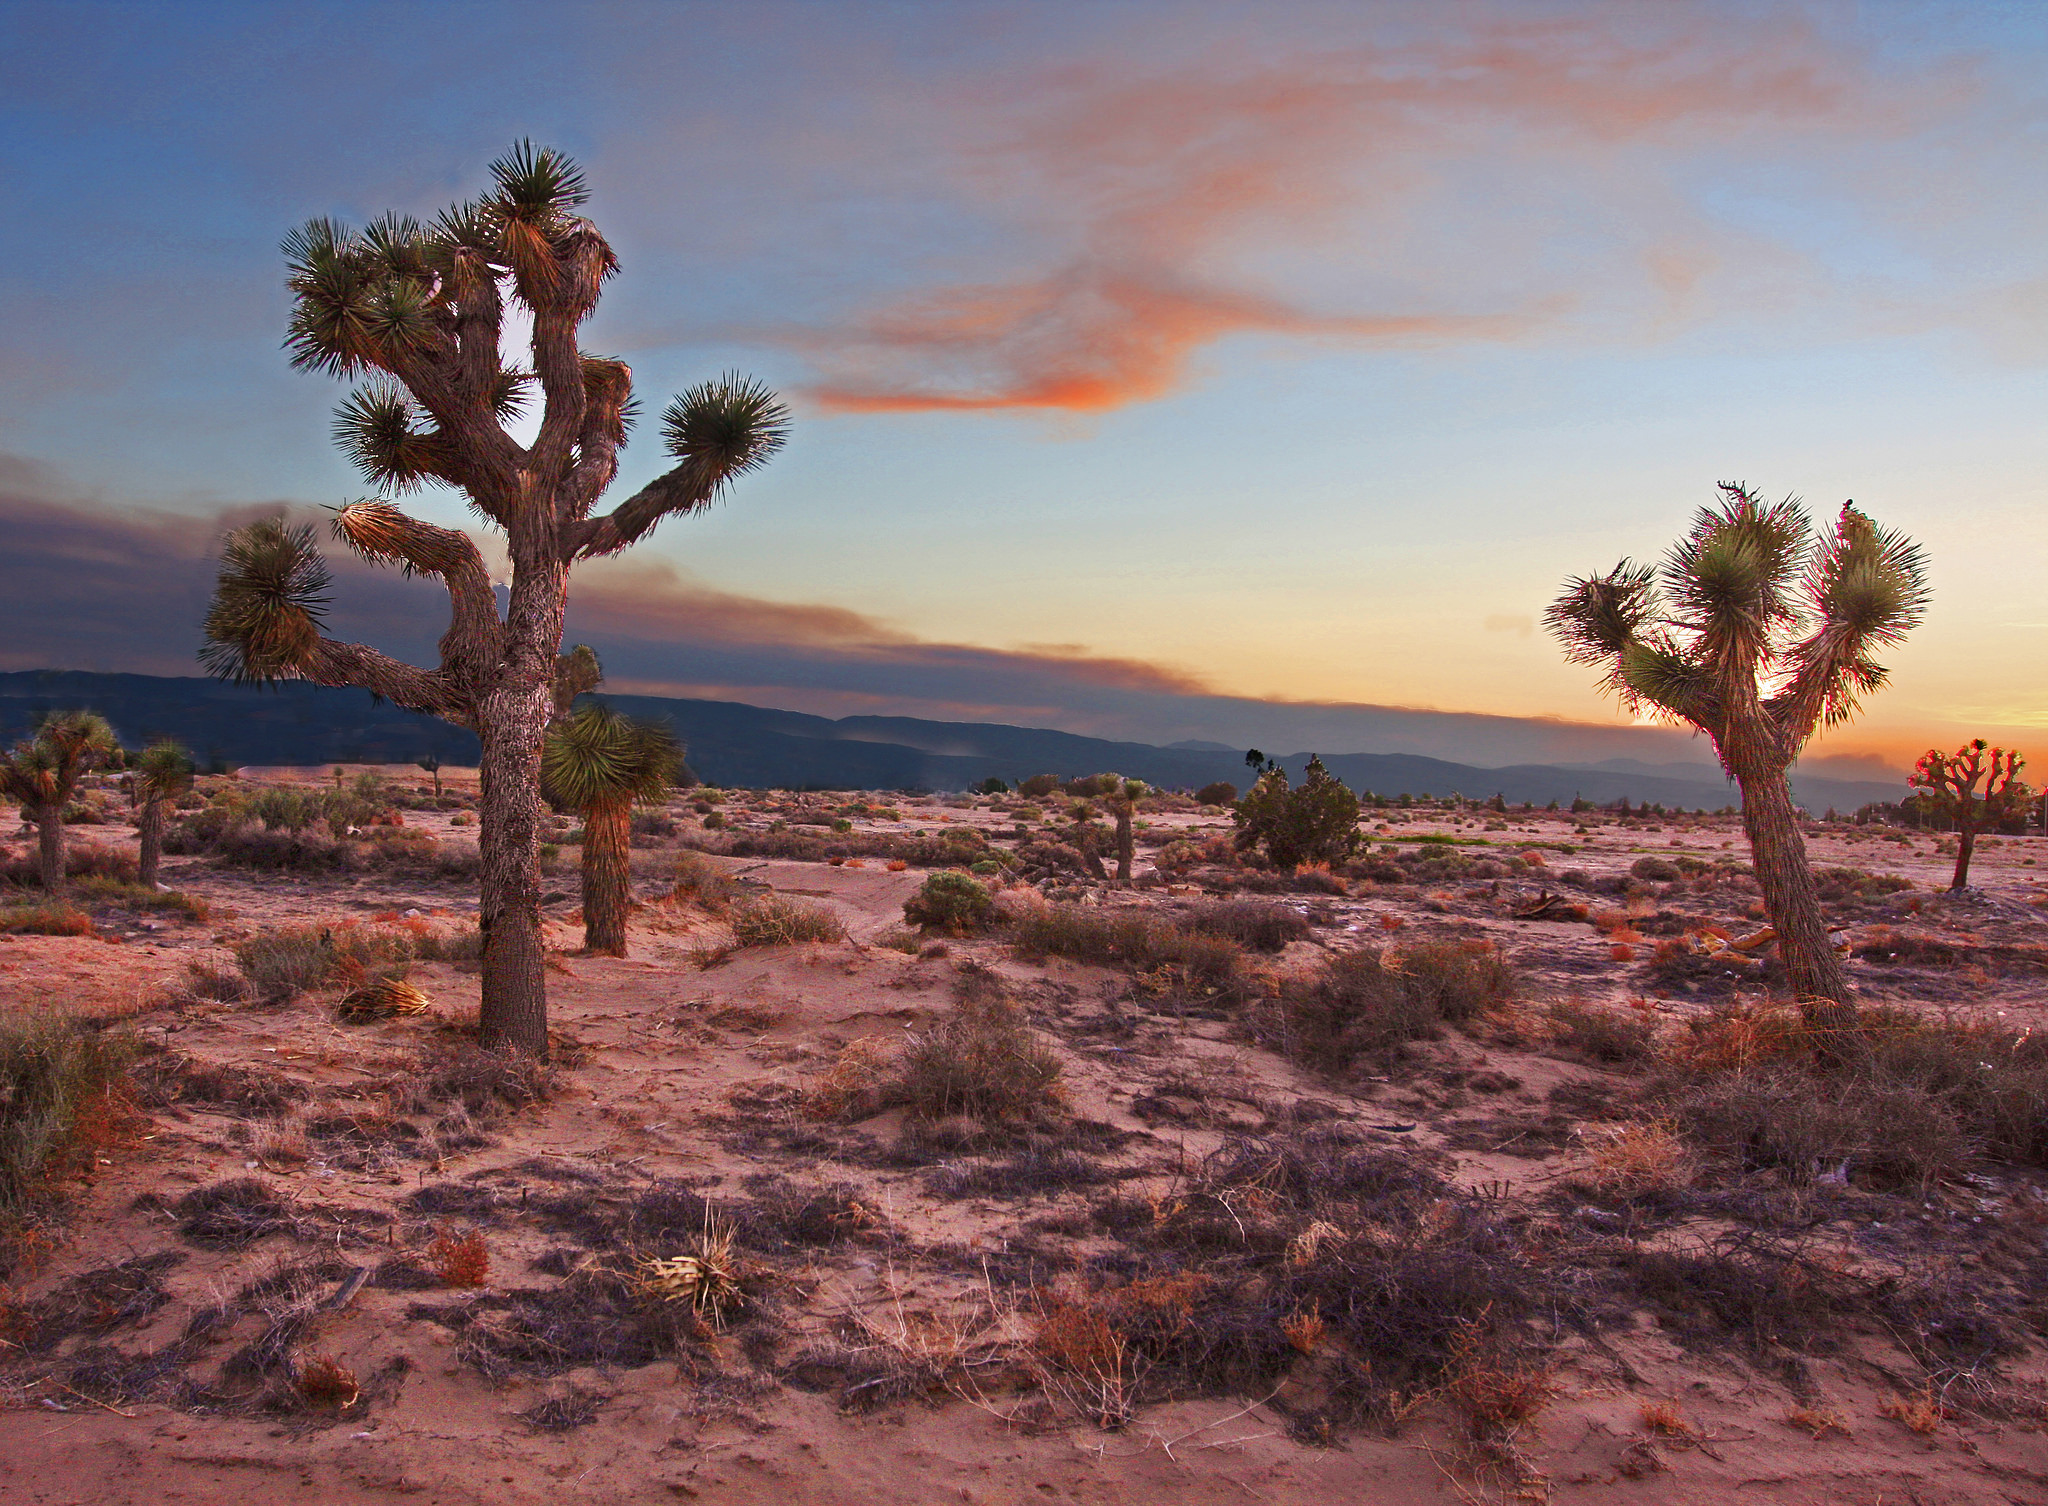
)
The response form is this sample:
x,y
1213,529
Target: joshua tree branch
x,y
353,664
683,490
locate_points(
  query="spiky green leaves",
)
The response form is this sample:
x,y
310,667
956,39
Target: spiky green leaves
x,y
378,427
268,603
41,772
1751,605
725,428
597,756
163,770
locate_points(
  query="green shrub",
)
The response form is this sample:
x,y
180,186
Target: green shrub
x,y
1222,792
1317,823
1655,870
950,902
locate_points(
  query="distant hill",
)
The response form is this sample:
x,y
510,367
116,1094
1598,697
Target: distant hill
x,y
731,743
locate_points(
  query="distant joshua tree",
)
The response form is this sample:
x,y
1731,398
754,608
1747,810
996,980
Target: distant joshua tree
x,y
431,762
163,772
599,763
41,773
1122,795
420,309
1757,633
1949,785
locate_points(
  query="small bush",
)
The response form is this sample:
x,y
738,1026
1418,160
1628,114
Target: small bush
x,y
57,1077
1655,870
703,883
1316,823
1172,958
1222,792
1615,1037
1368,1001
51,918
950,902
460,1260
983,1060
1252,924
82,860
778,920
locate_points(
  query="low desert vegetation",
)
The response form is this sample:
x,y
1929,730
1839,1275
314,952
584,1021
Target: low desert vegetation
x,y
1168,956
1366,1002
61,1097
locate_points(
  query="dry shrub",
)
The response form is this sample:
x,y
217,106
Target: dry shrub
x,y
778,920
327,1383
982,1059
1255,925
1494,1390
484,1082
1923,1414
703,883
1177,960
1369,1001
284,963
1632,1160
459,1260
1817,1424
82,860
1616,1037
855,1085
48,918
1664,1419
60,1090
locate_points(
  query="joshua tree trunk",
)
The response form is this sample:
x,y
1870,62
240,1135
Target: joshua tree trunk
x,y
1793,902
508,842
607,834
152,829
1123,846
49,820
1966,845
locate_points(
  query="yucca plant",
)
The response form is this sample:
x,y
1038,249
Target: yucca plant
x,y
1758,632
418,310
41,773
163,771
599,764
1122,796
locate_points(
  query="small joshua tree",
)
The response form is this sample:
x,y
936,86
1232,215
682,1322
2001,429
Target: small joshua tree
x,y
41,773
419,310
431,762
163,771
1757,633
1122,795
1317,823
599,763
1948,782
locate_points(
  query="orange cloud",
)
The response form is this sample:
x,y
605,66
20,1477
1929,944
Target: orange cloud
x,y
1148,204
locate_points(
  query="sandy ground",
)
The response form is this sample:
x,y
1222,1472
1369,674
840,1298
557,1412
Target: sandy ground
x,y
689,1075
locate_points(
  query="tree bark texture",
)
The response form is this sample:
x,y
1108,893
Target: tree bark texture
x,y
607,893
152,831
1793,901
1124,847
514,983
1966,845
49,820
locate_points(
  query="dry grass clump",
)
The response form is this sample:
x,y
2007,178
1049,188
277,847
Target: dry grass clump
x,y
61,1097
778,920
1169,958
82,860
982,1060
1910,1100
483,1082
1369,1001
280,965
706,1278
701,882
1644,1157
382,999
1255,925
45,918
1613,1037
856,1084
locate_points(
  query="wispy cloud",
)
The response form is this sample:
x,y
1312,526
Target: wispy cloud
x,y
1421,191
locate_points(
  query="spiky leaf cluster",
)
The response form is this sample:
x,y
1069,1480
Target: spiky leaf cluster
x,y
41,772
268,603
1749,611
598,756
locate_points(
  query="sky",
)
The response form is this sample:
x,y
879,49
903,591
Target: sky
x,y
1253,373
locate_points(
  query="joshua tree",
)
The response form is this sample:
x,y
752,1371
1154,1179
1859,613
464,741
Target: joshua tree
x,y
599,763
419,310
40,774
163,772
1949,782
1757,632
1122,795
431,762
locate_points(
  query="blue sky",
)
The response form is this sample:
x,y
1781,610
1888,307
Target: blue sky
x,y
1150,360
